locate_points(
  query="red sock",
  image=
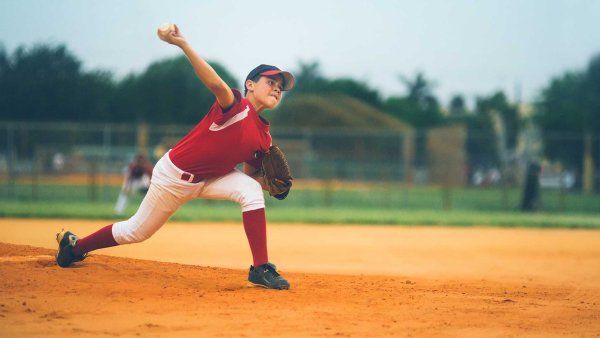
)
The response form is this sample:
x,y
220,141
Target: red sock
x,y
255,225
102,238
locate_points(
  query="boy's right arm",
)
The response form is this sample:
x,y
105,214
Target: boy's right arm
x,y
205,72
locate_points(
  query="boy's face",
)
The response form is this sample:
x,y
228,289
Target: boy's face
x,y
267,90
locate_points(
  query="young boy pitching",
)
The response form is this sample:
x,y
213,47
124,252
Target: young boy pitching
x,y
202,165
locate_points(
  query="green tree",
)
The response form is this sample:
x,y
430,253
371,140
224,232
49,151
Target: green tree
x,y
168,91
568,110
481,148
419,107
4,63
310,80
4,71
419,88
356,89
497,103
46,83
457,106
590,93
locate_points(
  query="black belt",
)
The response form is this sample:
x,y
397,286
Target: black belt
x,y
191,178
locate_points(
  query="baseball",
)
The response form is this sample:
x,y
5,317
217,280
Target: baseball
x,y
164,30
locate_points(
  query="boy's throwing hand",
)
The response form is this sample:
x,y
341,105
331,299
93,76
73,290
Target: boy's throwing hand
x,y
171,35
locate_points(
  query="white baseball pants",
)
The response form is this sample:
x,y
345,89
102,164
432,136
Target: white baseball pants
x,y
168,192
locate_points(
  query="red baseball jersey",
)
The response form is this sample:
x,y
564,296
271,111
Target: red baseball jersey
x,y
222,140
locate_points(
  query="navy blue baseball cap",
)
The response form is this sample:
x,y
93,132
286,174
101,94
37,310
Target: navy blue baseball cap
x,y
267,70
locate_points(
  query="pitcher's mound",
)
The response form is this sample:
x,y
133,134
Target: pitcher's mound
x,y
125,297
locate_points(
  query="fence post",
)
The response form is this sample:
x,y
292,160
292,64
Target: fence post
x,y
562,192
35,175
307,166
92,178
142,138
106,139
404,166
504,187
328,193
446,197
409,147
10,159
588,164
307,136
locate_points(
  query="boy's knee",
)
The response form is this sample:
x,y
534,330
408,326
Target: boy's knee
x,y
129,232
136,237
250,196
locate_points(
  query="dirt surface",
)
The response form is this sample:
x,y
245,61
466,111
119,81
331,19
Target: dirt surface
x,y
346,281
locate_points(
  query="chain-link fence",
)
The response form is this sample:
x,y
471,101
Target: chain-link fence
x,y
444,168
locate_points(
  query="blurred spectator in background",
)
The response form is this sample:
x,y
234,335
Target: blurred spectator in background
x,y
531,191
486,177
137,179
58,162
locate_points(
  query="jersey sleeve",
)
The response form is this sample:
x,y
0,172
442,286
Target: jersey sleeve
x,y
222,116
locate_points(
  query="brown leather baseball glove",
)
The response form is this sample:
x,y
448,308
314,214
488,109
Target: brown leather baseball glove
x,y
276,173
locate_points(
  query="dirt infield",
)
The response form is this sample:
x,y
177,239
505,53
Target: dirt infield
x,y
346,281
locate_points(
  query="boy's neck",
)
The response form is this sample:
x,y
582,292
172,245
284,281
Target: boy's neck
x,y
257,107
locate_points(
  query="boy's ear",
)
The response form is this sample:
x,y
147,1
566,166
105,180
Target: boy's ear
x,y
250,85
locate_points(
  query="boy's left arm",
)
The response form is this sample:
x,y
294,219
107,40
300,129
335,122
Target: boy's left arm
x,y
255,174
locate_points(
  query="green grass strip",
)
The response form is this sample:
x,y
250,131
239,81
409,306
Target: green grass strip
x,y
217,211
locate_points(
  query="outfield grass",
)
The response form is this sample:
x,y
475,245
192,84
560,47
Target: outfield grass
x,y
415,206
360,197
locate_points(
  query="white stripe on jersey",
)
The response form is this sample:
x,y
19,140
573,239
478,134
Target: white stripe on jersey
x,y
235,118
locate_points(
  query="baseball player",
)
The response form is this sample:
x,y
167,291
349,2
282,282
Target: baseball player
x,y
137,178
202,165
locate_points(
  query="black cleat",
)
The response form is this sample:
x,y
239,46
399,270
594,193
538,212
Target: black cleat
x,y
66,241
266,276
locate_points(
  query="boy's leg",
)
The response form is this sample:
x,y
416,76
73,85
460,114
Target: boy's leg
x,y
102,238
156,208
241,188
255,226
165,195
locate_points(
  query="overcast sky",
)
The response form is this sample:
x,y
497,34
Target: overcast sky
x,y
469,47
